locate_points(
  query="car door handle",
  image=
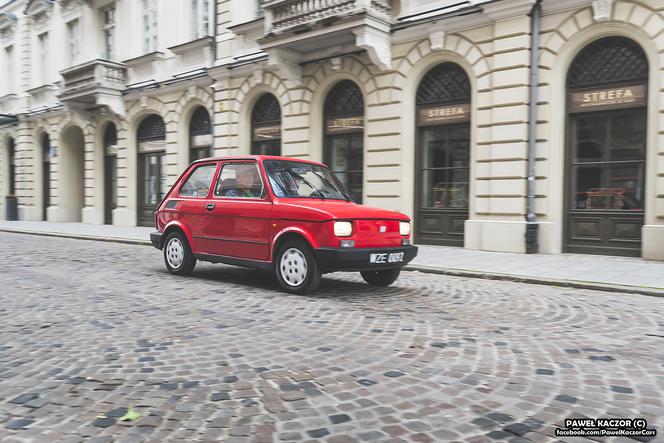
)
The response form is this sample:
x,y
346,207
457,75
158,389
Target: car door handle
x,y
209,206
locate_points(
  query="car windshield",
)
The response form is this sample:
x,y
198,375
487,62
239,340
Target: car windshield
x,y
290,179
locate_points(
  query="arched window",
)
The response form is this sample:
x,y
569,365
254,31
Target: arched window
x,y
266,126
607,87
344,135
200,134
152,175
443,155
110,172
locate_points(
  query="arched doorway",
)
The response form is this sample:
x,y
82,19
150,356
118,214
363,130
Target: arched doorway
x,y
266,126
442,156
151,140
343,149
200,135
110,172
45,146
606,133
71,185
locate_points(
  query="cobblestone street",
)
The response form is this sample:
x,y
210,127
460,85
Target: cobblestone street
x,y
90,328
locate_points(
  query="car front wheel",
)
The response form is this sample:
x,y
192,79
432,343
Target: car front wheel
x,y
177,254
296,267
381,278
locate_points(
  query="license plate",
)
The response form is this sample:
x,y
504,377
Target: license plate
x,y
386,257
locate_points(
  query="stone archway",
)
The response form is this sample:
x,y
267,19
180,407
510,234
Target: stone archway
x,y
70,176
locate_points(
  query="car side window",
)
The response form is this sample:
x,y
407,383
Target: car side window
x,y
239,180
199,181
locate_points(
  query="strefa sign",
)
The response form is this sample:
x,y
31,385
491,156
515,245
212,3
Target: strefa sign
x,y
617,97
442,115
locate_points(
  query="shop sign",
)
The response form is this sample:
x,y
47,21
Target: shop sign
x,y
267,133
201,141
443,115
343,125
616,97
152,146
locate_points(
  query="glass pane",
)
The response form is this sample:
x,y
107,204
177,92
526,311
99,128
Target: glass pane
x,y
150,179
445,188
627,136
198,183
162,175
239,180
589,138
272,147
345,157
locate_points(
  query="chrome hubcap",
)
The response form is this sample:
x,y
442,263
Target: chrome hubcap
x,y
293,267
175,253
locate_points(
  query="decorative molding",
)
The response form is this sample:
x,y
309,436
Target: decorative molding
x,y
602,10
70,6
143,101
507,9
437,40
377,44
7,27
39,11
336,63
287,61
256,77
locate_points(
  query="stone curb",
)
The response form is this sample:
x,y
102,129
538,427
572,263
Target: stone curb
x,y
597,286
80,236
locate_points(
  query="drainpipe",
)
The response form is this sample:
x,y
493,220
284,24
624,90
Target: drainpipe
x,y
214,32
532,227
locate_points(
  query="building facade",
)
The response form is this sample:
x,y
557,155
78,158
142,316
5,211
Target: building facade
x,y
434,108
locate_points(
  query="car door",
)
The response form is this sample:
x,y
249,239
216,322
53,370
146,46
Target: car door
x,y
237,214
191,198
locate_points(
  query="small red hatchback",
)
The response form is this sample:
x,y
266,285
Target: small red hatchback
x,y
288,215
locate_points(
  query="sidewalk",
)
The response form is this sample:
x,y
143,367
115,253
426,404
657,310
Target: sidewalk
x,y
606,273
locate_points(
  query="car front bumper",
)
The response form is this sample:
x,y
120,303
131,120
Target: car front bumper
x,y
350,259
155,238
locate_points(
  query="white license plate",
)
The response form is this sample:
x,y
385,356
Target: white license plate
x,y
386,257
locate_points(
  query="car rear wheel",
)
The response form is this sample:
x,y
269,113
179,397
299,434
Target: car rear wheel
x,y
381,278
177,254
296,267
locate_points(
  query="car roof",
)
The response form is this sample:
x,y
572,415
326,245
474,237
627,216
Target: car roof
x,y
258,158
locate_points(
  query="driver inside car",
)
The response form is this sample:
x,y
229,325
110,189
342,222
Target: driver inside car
x,y
247,181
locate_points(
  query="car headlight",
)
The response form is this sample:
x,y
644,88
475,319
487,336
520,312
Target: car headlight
x,y
343,229
404,228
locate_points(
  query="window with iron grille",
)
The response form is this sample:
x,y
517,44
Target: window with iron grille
x,y
151,128
443,84
609,60
266,126
345,98
200,134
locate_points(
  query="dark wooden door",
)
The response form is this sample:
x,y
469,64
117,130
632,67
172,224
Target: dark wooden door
x,y
605,182
151,185
110,187
46,187
442,184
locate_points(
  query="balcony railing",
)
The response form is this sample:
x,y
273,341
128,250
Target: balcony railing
x,y
282,15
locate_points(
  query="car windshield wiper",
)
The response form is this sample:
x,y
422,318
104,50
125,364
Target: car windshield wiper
x,y
340,189
306,182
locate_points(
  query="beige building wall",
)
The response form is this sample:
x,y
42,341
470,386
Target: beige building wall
x,y
493,51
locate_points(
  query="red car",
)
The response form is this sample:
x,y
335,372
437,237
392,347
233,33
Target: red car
x,y
287,215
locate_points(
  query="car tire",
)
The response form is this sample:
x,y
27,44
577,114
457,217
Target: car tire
x,y
381,278
177,254
296,267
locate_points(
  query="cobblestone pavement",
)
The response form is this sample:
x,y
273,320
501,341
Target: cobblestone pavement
x,y
90,328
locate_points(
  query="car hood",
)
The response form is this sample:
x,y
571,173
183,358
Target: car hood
x,y
320,210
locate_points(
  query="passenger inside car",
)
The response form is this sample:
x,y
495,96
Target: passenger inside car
x,y
246,184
